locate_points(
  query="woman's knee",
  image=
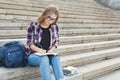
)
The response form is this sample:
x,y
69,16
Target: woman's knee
x,y
54,59
44,60
34,60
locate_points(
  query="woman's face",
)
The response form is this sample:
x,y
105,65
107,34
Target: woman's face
x,y
50,19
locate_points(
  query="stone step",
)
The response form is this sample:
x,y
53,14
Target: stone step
x,y
84,14
43,3
81,59
10,5
72,16
74,39
59,3
6,8
93,5
23,26
26,72
88,57
61,20
88,31
22,33
86,21
95,69
68,3
26,18
88,26
88,39
74,3
29,15
13,26
20,8
86,72
87,47
114,75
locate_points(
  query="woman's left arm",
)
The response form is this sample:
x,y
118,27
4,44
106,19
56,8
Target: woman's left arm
x,y
56,36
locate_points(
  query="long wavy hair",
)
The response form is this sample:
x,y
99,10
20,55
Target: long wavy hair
x,y
47,12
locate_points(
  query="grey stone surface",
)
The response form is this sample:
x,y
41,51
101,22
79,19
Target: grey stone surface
x,y
90,24
114,75
115,4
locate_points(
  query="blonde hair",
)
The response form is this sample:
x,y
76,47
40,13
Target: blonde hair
x,y
52,9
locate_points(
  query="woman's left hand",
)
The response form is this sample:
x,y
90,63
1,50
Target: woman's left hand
x,y
51,50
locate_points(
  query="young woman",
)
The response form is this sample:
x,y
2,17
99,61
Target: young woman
x,y
43,38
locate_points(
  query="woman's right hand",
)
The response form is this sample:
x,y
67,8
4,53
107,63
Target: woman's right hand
x,y
41,51
37,49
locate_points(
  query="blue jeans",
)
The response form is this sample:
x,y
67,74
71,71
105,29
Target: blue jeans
x,y
44,63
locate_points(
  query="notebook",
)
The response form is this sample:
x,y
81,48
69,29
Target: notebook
x,y
70,70
45,54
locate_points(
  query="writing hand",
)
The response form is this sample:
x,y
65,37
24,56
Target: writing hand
x,y
42,51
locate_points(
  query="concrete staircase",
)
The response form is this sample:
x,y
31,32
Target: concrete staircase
x,y
89,36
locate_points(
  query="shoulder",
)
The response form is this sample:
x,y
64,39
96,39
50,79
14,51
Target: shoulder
x,y
32,24
55,27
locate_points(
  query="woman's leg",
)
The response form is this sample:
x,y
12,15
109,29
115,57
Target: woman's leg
x,y
43,62
57,68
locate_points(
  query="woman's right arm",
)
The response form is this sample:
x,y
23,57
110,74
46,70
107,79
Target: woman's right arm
x,y
37,49
30,40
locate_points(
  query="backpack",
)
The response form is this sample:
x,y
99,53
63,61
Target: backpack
x,y
0,57
12,54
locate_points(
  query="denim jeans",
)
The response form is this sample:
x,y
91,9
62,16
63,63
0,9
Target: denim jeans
x,y
44,63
